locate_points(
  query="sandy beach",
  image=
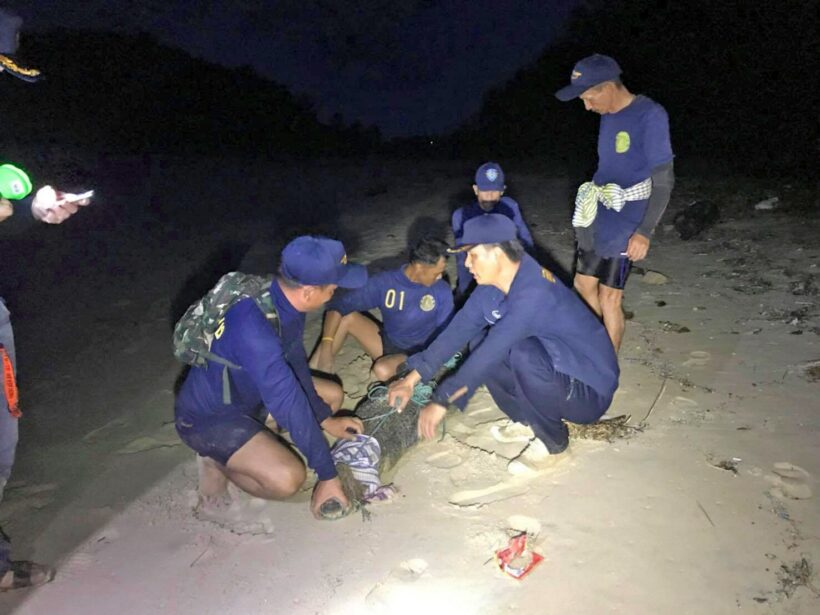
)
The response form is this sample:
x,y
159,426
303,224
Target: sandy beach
x,y
708,505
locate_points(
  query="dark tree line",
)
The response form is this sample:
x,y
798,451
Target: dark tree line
x,y
117,92
739,79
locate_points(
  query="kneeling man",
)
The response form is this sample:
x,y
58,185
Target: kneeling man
x,y
273,378
542,354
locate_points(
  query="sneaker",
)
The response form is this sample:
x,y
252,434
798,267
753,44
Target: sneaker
x,y
535,459
25,574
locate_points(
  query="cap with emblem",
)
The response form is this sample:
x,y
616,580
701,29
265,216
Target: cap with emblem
x,y
316,261
490,177
10,25
486,228
588,73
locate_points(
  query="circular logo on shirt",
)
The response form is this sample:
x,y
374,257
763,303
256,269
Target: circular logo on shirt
x,y
622,142
427,303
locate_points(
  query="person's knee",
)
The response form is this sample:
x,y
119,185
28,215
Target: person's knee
x,y
585,284
283,481
610,298
381,371
334,397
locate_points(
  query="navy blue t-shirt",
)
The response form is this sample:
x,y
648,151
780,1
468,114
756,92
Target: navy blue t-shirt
x,y
507,207
412,314
538,305
274,374
631,143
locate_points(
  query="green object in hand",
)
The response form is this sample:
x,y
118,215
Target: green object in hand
x,y
14,183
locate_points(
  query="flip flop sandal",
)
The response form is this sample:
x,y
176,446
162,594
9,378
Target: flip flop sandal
x,y
28,574
332,510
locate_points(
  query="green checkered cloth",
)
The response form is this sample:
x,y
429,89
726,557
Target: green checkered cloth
x,y
611,195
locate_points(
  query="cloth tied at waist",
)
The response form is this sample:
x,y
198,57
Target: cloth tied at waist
x,y
611,195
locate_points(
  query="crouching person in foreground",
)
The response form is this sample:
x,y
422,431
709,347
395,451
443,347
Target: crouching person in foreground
x,y
270,376
542,354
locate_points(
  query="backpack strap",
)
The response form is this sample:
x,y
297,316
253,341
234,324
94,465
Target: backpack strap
x,y
265,304
226,365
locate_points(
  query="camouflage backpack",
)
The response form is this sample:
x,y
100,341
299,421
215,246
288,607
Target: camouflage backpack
x,y
194,332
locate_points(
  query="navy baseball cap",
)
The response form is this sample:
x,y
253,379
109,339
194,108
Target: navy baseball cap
x,y
316,261
588,73
10,25
486,228
490,177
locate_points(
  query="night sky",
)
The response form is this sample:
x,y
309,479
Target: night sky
x,y
409,67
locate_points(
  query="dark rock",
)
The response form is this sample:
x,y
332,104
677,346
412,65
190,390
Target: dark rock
x,y
696,218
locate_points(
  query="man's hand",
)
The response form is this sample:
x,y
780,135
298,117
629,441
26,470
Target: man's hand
x,y
52,207
429,418
400,391
324,491
638,247
6,209
346,427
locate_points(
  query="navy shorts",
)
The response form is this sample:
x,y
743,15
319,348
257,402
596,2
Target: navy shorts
x,y
388,347
219,436
611,272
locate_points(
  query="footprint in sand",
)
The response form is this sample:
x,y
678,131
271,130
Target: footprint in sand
x,y
503,490
444,460
685,410
103,432
523,523
698,358
74,566
791,481
26,498
164,437
408,571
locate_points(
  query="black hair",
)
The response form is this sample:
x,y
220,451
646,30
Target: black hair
x,y
512,249
428,250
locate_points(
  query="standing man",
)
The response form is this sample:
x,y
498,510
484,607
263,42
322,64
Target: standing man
x,y
47,206
616,213
415,304
273,378
489,190
544,356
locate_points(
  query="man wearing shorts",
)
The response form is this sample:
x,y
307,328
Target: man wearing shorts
x,y
273,378
616,213
415,304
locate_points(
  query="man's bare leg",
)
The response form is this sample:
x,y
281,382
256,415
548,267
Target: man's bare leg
x,y
213,483
611,300
266,468
587,287
385,367
330,391
363,330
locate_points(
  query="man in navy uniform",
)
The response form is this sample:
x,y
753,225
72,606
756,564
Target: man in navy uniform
x,y
616,213
489,190
231,439
542,354
415,304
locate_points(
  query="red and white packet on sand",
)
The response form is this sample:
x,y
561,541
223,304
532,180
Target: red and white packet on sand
x,y
515,559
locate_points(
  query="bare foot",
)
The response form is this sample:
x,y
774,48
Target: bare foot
x,y
212,481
